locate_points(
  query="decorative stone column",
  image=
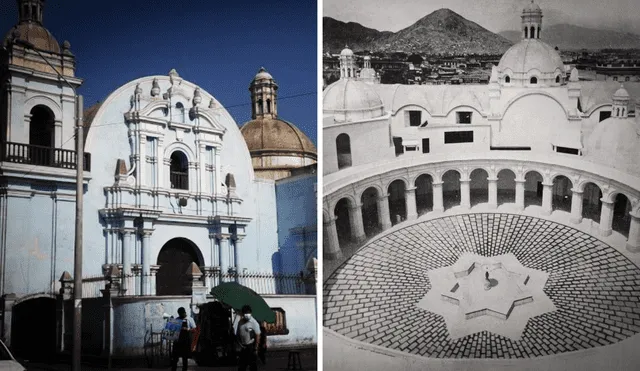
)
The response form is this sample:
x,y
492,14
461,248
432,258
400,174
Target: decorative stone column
x,y
202,169
218,178
146,261
331,245
493,192
547,203
520,194
127,235
576,206
606,218
152,279
383,212
224,254
236,252
142,159
410,201
438,205
357,226
633,243
465,193
160,182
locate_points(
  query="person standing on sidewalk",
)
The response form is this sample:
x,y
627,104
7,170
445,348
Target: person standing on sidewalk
x,y
182,346
248,339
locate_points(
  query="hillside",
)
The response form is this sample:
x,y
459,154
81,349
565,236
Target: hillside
x,y
336,34
443,31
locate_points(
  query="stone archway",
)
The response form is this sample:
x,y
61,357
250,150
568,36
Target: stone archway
x,y
562,193
343,221
370,217
34,329
506,187
533,189
591,202
174,259
397,201
621,219
424,194
451,189
478,187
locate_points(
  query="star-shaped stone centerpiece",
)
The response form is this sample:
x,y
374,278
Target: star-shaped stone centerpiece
x,y
478,293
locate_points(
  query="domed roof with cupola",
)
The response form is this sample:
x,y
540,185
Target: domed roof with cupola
x,y
615,141
276,146
531,62
31,29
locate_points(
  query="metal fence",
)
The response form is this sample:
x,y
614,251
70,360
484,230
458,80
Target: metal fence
x,y
261,283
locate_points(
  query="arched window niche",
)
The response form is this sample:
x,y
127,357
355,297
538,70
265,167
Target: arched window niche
x,y
179,170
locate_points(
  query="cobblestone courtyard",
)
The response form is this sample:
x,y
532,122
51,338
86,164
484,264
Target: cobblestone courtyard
x,y
373,296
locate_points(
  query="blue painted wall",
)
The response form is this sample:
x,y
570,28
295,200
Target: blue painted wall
x,y
297,222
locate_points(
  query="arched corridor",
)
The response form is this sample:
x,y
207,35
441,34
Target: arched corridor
x,y
591,202
370,216
343,223
506,187
621,218
533,189
561,199
377,212
174,259
397,203
479,187
451,189
424,193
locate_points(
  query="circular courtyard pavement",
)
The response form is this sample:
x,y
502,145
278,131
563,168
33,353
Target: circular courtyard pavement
x,y
595,289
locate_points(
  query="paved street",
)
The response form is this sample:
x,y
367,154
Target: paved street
x,y
594,287
276,361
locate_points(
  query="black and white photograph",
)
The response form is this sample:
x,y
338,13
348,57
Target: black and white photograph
x,y
481,185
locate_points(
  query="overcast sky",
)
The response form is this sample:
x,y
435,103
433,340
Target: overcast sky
x,y
494,15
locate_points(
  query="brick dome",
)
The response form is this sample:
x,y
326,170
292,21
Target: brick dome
x,y
34,33
275,135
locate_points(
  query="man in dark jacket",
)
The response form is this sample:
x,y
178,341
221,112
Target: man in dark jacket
x,y
182,346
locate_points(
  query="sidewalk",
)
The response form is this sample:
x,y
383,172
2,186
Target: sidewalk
x,y
276,361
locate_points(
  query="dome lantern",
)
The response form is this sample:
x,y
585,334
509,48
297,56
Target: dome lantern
x,y
531,21
30,11
620,103
347,64
264,95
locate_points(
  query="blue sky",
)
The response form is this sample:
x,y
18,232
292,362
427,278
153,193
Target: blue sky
x,y
218,45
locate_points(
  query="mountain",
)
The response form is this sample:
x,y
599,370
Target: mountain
x,y
570,37
336,34
443,31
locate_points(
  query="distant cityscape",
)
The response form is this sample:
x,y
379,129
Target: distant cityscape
x,y
621,65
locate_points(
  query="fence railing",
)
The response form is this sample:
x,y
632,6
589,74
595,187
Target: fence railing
x,y
261,283
22,153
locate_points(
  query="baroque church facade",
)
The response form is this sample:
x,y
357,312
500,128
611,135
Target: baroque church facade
x,y
174,200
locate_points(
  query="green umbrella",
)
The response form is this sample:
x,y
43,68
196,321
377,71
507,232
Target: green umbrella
x,y
236,296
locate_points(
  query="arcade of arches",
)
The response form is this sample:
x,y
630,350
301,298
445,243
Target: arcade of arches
x,y
379,206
